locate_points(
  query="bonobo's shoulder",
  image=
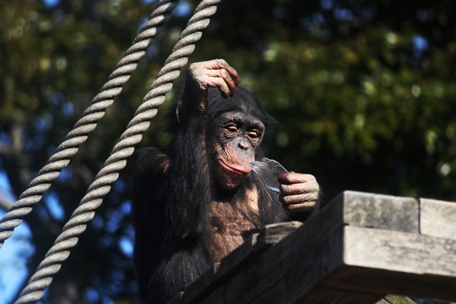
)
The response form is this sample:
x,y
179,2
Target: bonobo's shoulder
x,y
151,161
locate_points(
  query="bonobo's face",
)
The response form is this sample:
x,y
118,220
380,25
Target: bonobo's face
x,y
235,137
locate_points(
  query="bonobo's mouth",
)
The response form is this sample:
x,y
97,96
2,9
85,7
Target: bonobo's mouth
x,y
236,169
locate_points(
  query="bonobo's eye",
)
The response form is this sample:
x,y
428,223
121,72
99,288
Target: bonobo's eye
x,y
231,128
253,134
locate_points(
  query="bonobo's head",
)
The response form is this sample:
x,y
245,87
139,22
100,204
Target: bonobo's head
x,y
236,128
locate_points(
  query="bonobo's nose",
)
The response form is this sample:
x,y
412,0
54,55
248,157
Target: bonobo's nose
x,y
244,144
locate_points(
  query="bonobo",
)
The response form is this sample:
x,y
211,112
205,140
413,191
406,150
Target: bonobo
x,y
200,198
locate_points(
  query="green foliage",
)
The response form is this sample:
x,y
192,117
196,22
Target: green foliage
x,y
364,93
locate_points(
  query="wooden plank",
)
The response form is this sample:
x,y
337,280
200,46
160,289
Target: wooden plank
x,y
396,262
399,251
380,211
251,248
437,218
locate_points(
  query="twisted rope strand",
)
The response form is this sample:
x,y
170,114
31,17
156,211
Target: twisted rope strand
x,y
60,251
87,123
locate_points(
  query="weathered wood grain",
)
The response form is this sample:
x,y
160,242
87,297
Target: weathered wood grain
x,y
401,252
380,211
438,218
396,262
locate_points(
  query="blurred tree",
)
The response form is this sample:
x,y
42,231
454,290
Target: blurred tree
x,y
364,91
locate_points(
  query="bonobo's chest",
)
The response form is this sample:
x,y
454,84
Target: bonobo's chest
x,y
231,222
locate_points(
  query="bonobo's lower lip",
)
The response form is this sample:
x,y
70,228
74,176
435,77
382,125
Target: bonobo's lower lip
x,y
236,170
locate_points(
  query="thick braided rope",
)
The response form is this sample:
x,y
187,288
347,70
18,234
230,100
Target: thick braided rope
x,y
87,123
60,251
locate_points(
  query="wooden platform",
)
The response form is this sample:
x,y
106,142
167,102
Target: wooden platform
x,y
358,249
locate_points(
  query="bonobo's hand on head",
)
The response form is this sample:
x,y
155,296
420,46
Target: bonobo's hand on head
x,y
298,192
212,73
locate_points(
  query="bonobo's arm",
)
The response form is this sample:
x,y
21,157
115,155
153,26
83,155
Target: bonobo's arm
x,y
187,192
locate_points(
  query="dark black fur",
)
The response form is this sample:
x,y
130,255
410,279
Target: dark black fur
x,y
171,209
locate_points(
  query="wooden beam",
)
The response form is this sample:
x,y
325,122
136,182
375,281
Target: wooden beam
x,y
437,218
396,262
356,250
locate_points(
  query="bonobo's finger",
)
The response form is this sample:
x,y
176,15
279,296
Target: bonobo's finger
x,y
293,178
229,81
307,187
226,85
299,198
222,64
302,207
207,74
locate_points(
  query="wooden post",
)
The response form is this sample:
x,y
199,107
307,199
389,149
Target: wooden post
x,y
358,249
